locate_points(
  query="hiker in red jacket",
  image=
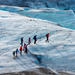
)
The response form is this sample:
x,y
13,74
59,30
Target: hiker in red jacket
x,y
21,49
29,40
47,37
25,48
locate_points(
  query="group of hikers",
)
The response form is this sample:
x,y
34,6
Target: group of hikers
x,y
23,46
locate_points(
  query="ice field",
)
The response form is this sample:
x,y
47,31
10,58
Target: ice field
x,y
57,54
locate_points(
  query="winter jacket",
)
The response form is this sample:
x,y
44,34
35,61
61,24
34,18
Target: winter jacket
x,y
35,37
17,51
20,48
25,45
47,35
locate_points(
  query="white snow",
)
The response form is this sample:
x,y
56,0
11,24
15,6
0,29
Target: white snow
x,y
58,54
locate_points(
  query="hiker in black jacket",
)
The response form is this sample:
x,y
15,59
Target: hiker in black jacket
x,y
35,39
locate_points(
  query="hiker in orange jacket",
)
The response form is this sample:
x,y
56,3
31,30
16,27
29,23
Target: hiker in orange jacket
x,y
47,37
21,49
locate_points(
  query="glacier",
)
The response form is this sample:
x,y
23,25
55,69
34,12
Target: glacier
x,y
17,22
60,4
64,18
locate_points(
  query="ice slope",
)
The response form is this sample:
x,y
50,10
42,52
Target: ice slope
x,y
12,28
64,18
59,52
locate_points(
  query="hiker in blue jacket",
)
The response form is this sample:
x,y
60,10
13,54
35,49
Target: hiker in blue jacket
x,y
17,51
35,39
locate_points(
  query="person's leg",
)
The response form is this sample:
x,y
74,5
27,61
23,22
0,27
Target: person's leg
x,y
16,54
26,50
29,42
47,38
20,52
34,42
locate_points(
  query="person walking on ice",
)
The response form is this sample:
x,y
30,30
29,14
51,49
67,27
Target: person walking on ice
x,y
29,41
47,37
25,48
16,52
35,39
22,41
21,50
